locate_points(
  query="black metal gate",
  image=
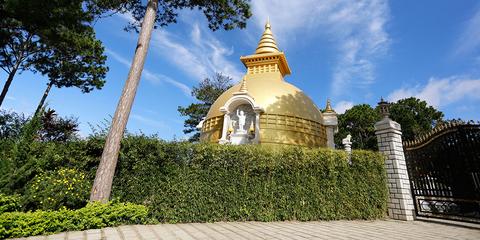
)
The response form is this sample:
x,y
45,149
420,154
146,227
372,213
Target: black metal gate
x,y
444,171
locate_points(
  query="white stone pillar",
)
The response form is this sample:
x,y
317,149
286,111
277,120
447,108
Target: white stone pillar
x,y
330,122
226,122
389,138
256,139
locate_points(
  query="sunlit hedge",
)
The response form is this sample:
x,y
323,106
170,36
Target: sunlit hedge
x,y
23,224
197,182
184,182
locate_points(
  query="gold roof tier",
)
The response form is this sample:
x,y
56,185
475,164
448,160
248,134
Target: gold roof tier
x,y
266,56
267,43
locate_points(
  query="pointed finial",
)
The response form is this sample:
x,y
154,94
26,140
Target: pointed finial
x,y
328,108
243,87
267,43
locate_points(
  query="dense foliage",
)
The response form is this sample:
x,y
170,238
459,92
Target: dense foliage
x,y
9,203
21,163
11,124
226,14
54,38
206,93
56,128
51,127
66,187
184,182
96,215
359,122
415,116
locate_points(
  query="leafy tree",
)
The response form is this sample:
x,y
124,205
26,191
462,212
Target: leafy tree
x,y
415,117
54,38
11,124
206,93
50,127
219,13
81,65
55,128
359,122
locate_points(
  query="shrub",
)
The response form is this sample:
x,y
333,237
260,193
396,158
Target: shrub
x,y
9,203
20,168
66,187
96,215
182,182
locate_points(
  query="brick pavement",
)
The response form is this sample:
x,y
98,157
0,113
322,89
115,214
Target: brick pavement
x,y
380,229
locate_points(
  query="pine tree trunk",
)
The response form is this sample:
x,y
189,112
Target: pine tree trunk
x,y
7,84
44,97
102,185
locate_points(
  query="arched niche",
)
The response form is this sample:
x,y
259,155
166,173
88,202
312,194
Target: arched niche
x,y
241,121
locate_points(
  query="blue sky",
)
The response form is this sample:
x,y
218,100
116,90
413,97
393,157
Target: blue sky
x,y
349,51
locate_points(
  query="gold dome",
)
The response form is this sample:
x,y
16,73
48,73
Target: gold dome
x,y
288,117
275,95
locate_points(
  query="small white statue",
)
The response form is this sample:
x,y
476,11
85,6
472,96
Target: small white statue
x,y
241,120
347,144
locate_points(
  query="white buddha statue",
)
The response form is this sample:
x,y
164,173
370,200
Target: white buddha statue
x,y
241,121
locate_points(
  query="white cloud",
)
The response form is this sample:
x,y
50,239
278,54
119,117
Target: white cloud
x,y
151,76
127,17
356,28
118,58
200,56
441,92
342,106
149,121
469,40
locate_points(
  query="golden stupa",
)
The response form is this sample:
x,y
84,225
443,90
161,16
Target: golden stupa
x,y
265,109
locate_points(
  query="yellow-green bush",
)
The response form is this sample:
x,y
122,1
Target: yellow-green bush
x,y
9,203
65,187
96,215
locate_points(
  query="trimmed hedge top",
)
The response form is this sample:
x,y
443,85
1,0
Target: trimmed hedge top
x,y
181,182
94,215
185,182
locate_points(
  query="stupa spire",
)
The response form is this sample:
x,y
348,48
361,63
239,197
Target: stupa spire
x,y
267,42
328,108
243,87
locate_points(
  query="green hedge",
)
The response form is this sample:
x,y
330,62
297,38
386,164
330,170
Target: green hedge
x,y
23,166
184,182
9,203
21,224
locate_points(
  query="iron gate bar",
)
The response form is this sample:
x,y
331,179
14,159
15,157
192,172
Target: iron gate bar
x,y
444,170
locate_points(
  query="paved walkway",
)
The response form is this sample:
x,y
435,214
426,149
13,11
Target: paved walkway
x,y
383,229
